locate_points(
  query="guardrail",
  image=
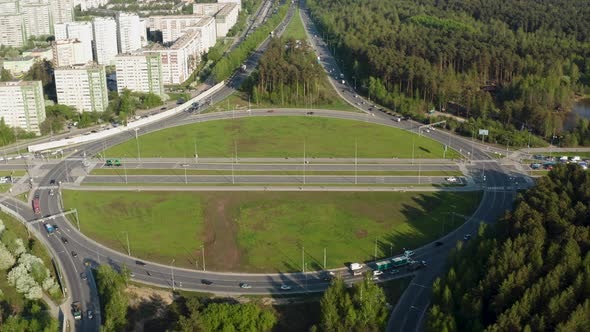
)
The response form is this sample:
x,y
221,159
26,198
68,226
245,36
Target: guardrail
x,y
131,125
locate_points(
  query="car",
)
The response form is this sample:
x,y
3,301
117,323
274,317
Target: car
x,y
83,276
131,274
467,237
245,285
394,271
270,111
140,263
52,181
74,254
408,253
285,287
64,240
426,130
55,226
438,243
309,113
90,315
377,273
206,282
51,192
375,278
451,179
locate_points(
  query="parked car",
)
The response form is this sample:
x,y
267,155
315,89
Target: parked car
x,y
285,287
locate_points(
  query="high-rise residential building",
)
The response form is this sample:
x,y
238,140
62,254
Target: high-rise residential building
x,y
12,27
141,72
62,11
82,87
81,31
105,40
69,52
172,27
22,105
128,32
225,14
237,2
38,17
180,59
143,26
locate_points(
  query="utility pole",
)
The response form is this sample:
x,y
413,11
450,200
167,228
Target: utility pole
x,y
355,162
303,258
196,155
172,272
304,152
203,251
375,249
125,168
413,140
137,141
128,247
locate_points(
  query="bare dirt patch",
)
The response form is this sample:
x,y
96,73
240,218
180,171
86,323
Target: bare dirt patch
x,y
221,232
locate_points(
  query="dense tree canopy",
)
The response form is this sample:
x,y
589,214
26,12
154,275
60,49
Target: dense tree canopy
x,y
516,63
529,273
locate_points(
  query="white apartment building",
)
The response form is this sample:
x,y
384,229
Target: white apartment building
x,y
12,28
19,65
129,32
81,31
226,18
69,52
141,72
38,17
82,87
172,26
22,105
105,40
89,4
237,2
225,14
208,30
143,26
181,59
62,11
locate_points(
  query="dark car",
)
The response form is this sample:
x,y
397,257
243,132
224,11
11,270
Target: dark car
x,y
64,240
309,113
140,263
438,243
52,181
83,276
206,282
74,254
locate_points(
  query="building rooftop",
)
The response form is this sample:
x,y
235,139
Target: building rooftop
x,y
187,37
225,10
90,65
19,58
19,83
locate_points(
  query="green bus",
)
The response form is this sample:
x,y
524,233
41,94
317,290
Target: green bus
x,y
113,162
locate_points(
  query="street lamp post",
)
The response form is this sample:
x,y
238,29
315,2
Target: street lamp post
x,y
128,247
137,141
203,251
172,272
355,162
125,168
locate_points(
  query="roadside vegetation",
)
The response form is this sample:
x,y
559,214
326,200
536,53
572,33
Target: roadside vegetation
x,y
510,69
282,137
530,272
266,231
24,277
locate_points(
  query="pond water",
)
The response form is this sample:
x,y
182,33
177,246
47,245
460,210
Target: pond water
x,y
581,110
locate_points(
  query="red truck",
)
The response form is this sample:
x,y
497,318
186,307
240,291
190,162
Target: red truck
x,y
36,205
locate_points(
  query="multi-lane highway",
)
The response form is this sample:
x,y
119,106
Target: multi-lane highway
x,y
408,314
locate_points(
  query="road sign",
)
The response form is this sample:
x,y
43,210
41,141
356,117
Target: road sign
x,y
483,132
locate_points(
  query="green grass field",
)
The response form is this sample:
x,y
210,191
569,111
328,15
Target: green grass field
x,y
295,29
181,172
282,137
266,231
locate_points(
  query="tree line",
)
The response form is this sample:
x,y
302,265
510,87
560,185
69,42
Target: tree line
x,y
530,272
513,64
287,74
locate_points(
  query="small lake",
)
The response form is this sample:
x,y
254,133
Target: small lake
x,y
581,109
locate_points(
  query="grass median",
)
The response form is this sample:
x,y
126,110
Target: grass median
x,y
181,172
282,137
266,231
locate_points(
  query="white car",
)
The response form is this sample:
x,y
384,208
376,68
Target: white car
x,y
285,287
409,253
245,285
377,273
451,179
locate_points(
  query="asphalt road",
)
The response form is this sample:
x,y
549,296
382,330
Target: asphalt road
x,y
81,290
410,311
89,251
267,179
